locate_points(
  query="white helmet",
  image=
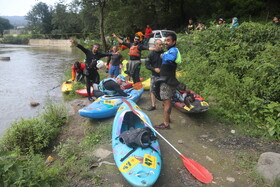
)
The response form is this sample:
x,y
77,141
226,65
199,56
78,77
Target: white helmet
x,y
99,64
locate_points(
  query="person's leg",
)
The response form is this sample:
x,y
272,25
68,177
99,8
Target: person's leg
x,y
88,85
167,111
152,90
136,74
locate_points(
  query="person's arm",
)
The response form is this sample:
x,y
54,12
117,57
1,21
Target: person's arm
x,y
73,73
79,46
171,55
148,62
115,36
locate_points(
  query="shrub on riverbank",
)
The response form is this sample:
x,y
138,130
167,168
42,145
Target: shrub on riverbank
x,y
18,170
240,69
15,40
35,134
19,165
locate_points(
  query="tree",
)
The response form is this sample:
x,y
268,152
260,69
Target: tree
x,y
4,25
101,6
40,19
73,23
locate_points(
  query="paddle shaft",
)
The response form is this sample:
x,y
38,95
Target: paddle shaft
x,y
198,171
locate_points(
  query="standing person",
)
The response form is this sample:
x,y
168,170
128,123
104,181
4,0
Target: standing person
x,y
148,35
91,73
190,26
112,86
170,59
117,59
78,68
141,35
234,23
153,63
134,64
276,21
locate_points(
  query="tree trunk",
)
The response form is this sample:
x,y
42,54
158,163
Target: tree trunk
x,y
101,24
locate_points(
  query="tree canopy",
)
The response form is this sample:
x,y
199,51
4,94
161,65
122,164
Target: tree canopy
x,y
4,25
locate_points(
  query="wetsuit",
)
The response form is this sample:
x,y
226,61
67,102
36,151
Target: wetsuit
x,y
91,73
112,87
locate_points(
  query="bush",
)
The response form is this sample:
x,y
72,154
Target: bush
x,y
240,69
35,134
18,170
15,40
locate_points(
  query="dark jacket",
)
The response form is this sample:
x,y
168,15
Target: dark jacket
x,y
154,61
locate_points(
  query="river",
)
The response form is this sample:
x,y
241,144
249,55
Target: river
x,y
30,76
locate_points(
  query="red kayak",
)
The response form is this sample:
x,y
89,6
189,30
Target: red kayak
x,y
84,92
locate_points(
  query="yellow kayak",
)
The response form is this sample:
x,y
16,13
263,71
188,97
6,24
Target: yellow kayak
x,y
147,84
124,62
66,86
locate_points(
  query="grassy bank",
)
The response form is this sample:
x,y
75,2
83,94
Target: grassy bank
x,y
239,71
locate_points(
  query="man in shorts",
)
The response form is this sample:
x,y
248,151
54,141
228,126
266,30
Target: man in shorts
x,y
170,59
153,63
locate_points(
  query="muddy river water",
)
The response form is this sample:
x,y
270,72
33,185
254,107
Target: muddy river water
x,y
29,76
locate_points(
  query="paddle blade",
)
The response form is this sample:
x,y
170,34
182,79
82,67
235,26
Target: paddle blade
x,y
137,86
198,171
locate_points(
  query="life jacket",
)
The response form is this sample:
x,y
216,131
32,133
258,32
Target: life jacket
x,y
133,51
102,88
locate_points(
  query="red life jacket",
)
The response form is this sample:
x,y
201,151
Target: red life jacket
x,y
133,51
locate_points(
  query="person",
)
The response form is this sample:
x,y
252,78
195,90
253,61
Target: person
x,y
113,86
190,26
220,22
117,59
200,26
234,23
170,59
78,68
153,63
148,34
134,64
91,73
276,21
141,35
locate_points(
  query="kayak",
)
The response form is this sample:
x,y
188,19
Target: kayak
x,y
197,105
83,92
142,166
66,86
107,106
147,84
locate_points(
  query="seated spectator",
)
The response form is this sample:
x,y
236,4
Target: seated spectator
x,y
190,27
276,20
220,22
200,26
234,23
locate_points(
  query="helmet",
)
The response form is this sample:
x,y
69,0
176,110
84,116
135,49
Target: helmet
x,y
77,65
99,64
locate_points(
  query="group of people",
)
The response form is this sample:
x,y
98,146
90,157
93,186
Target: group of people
x,y
234,23
162,64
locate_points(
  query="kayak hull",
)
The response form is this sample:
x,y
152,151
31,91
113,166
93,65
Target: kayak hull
x,y
142,167
107,106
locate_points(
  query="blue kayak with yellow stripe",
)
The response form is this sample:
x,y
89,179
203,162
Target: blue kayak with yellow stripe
x,y
139,166
107,106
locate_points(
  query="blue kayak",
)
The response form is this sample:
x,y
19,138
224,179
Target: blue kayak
x,y
107,106
139,166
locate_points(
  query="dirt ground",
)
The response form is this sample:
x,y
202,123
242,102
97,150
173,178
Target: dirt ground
x,y
224,151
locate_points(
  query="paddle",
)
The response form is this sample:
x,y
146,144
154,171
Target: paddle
x,y
137,85
198,171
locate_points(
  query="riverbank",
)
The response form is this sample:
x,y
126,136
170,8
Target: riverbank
x,y
223,150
